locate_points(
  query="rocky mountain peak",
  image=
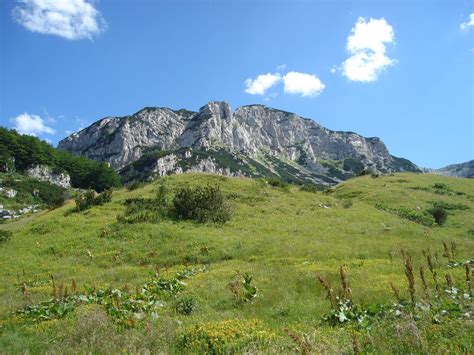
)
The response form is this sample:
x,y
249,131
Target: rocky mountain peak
x,y
220,109
262,134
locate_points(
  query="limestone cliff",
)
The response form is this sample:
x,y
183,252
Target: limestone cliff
x,y
281,142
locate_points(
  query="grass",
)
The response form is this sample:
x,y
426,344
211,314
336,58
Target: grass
x,y
282,238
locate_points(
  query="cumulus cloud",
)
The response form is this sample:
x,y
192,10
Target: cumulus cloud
x,y
302,84
261,83
71,19
31,125
367,48
468,24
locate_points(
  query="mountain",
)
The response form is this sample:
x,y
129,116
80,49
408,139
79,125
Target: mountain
x,y
254,140
459,170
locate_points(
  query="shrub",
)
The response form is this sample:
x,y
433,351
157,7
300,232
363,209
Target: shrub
x,y
135,185
364,172
4,235
440,186
186,305
450,206
347,203
54,196
439,214
84,200
162,196
201,204
277,182
413,215
88,199
103,198
310,188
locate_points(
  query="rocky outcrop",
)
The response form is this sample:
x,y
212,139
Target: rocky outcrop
x,y
45,173
6,214
176,162
258,132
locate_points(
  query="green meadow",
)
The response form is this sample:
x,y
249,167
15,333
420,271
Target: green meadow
x,y
90,282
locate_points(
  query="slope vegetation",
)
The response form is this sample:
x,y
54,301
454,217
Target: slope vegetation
x,y
250,284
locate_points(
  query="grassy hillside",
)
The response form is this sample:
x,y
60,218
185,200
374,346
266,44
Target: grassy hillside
x,y
189,277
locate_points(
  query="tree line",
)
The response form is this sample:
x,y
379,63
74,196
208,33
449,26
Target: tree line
x,y
20,152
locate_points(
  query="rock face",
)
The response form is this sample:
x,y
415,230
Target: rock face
x,y
45,173
465,170
281,142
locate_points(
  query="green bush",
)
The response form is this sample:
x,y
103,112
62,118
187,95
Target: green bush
x,y
201,204
310,188
347,203
53,196
135,185
4,235
413,215
88,199
185,305
439,214
450,206
277,182
103,198
365,172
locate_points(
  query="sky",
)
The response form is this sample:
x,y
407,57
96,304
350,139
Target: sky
x,y
399,70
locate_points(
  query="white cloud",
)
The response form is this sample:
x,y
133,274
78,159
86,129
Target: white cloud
x,y
333,69
31,125
469,23
281,67
261,83
302,84
367,46
71,19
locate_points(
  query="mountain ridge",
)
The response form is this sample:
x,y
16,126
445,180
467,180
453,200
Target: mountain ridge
x,y
253,132
465,170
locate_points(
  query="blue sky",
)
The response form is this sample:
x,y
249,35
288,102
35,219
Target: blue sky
x,y
399,70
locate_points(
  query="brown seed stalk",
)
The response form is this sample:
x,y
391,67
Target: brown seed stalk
x,y
433,271
446,253
60,292
54,288
329,291
423,281
410,277
346,290
454,250
396,291
467,267
73,287
449,281
355,344
24,292
302,344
